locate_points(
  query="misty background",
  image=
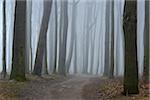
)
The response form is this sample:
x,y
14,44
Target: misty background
x,y
98,10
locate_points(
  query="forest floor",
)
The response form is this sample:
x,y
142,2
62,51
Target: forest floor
x,y
73,87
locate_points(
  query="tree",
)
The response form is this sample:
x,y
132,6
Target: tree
x,y
99,47
63,37
88,27
44,64
111,75
4,40
130,33
107,39
18,63
93,32
109,36
42,43
56,34
146,44
73,34
29,37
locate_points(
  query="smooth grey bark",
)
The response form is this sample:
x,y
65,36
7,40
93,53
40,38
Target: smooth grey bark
x,y
75,54
72,42
87,37
88,26
98,60
63,37
52,43
84,43
4,72
29,38
42,43
18,61
60,37
130,33
146,43
75,39
93,27
111,75
56,34
107,39
97,64
118,57
44,65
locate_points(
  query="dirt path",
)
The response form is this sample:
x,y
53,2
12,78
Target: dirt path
x,y
70,89
75,87
56,88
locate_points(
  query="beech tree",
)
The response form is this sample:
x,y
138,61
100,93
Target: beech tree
x,y
29,37
130,33
73,38
92,35
111,75
42,43
4,40
63,31
146,43
98,59
88,25
56,34
107,40
18,61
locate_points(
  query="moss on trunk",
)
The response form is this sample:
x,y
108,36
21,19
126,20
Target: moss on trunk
x,y
18,63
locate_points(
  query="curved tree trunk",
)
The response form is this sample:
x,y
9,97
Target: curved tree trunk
x,y
130,33
42,44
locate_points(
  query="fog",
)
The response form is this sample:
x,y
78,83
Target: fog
x,y
98,9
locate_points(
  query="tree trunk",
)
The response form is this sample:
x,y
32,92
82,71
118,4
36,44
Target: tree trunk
x,y
42,44
28,39
98,59
146,44
93,27
87,37
18,63
45,69
130,33
111,75
75,54
56,27
63,37
4,40
107,35
73,32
